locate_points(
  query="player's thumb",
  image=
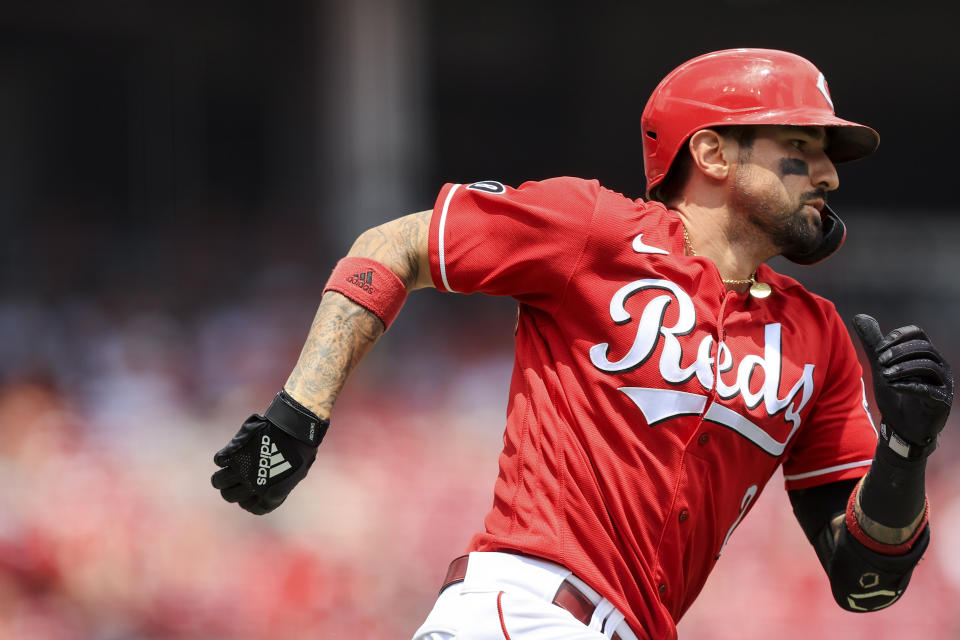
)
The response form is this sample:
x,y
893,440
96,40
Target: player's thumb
x,y
869,331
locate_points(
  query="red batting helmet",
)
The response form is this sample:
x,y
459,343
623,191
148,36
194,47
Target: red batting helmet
x,y
745,87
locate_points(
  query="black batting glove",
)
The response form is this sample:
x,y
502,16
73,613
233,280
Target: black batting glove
x,y
269,455
912,383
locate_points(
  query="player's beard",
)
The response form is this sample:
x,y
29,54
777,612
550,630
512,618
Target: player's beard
x,y
784,223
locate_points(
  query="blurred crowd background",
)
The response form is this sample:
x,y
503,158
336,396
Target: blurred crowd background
x,y
178,178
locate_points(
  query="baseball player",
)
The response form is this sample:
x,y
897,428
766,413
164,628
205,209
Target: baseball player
x,y
663,371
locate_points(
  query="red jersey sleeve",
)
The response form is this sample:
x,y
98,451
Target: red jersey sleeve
x,y
839,441
524,242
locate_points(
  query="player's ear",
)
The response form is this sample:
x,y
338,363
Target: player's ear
x,y
711,154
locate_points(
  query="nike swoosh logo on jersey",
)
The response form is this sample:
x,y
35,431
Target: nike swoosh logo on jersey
x,y
640,247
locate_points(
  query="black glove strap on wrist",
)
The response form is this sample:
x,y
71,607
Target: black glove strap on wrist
x,y
296,420
906,450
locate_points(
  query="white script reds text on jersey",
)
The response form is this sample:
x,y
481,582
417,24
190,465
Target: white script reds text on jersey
x,y
661,404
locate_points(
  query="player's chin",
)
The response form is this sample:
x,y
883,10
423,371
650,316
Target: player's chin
x,y
811,215
805,233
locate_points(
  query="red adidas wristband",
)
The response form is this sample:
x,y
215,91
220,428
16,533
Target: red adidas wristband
x,y
370,284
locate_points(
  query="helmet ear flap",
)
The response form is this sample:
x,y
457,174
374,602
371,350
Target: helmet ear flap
x,y
834,233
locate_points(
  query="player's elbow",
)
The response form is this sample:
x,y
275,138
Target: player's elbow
x,y
863,580
400,245
863,600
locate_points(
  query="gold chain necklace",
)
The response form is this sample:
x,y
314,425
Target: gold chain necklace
x,y
757,289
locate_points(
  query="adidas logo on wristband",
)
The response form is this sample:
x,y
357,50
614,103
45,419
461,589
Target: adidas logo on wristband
x,y
272,462
362,280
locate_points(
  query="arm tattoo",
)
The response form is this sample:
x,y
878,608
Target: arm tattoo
x,y
341,335
401,245
343,331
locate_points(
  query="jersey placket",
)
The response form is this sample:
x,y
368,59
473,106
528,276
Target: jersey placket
x,y
680,514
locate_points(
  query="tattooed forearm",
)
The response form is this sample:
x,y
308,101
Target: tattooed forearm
x,y
341,335
343,331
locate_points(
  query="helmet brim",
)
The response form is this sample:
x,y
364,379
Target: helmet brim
x,y
847,140
850,141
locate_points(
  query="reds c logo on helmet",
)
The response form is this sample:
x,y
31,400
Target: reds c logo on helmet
x,y
743,87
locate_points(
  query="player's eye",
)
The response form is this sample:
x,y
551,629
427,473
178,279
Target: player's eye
x,y
798,143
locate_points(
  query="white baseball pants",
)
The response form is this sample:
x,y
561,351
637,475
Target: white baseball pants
x,y
510,597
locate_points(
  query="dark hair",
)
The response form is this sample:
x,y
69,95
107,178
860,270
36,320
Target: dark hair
x,y
672,184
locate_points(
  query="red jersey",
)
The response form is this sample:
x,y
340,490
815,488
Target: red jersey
x,y
649,405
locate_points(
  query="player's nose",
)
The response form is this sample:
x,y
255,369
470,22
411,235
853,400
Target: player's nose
x,y
823,173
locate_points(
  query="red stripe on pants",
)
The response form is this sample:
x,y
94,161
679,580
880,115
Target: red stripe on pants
x,y
503,625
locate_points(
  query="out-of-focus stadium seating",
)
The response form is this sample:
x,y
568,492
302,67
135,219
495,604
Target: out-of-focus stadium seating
x,y
111,530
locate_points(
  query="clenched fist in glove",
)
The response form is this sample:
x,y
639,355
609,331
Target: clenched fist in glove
x,y
912,383
269,455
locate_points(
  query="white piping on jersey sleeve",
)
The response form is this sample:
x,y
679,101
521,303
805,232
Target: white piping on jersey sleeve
x,y
820,472
849,465
441,251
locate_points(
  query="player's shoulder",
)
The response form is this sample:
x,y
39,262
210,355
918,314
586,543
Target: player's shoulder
x,y
558,183
793,295
561,193
608,203
570,193
566,184
634,212
586,186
